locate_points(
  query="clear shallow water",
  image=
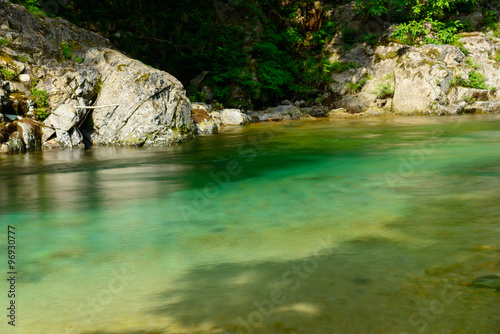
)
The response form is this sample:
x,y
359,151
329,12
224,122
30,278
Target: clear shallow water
x,y
345,226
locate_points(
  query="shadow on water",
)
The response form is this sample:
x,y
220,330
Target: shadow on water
x,y
363,286
370,285
315,294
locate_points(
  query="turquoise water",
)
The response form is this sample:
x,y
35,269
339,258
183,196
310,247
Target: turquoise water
x,y
340,226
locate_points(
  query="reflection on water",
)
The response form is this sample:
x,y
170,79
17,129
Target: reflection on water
x,y
347,226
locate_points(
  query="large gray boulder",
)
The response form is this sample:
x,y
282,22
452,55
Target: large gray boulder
x,y
152,110
64,122
421,81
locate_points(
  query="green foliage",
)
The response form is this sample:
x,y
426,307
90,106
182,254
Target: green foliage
x,y
389,76
39,97
459,81
256,48
24,59
352,36
67,50
414,9
218,106
198,97
462,48
445,33
476,80
7,74
490,19
257,52
41,114
370,39
337,67
33,6
408,33
385,91
78,59
4,42
469,61
354,88
470,99
496,57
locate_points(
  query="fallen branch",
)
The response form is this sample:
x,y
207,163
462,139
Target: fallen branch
x,y
96,107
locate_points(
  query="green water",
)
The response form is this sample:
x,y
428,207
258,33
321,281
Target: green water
x,y
342,226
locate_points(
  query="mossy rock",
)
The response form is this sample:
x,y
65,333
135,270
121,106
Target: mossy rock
x,y
433,54
143,77
199,115
4,134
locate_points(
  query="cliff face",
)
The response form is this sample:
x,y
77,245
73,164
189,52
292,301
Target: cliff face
x,y
52,72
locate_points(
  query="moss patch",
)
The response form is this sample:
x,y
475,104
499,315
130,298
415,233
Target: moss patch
x,y
389,55
433,54
143,77
199,115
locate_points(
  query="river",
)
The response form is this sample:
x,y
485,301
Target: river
x,y
333,226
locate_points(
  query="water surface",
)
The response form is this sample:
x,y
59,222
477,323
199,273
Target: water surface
x,y
340,226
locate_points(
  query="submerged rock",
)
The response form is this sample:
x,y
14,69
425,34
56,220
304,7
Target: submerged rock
x,y
208,127
488,281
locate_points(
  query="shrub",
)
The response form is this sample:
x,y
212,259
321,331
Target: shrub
x,y
354,88
469,61
7,74
411,32
41,114
470,99
4,42
67,50
218,106
39,96
490,19
24,59
33,6
385,91
477,80
337,66
462,48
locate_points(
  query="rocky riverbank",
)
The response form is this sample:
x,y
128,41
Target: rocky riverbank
x,y
65,87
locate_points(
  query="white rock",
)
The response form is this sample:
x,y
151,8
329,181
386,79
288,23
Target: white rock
x,y
233,117
25,78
